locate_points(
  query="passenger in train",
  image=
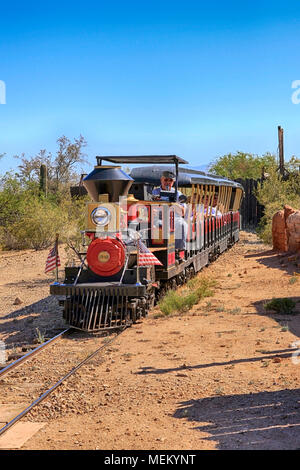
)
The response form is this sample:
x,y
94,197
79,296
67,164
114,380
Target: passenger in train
x,y
212,209
167,181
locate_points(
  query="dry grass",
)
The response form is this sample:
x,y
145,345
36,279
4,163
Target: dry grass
x,y
182,300
284,305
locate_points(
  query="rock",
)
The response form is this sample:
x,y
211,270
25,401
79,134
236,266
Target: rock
x,y
288,210
279,232
14,356
17,301
292,220
277,360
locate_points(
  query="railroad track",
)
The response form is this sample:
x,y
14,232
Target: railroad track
x,y
33,353
50,390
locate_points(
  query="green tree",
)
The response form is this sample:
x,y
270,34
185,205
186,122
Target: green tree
x,y
243,165
29,168
273,193
29,217
68,157
62,169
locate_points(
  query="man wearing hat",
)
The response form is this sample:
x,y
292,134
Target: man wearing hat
x,y
167,181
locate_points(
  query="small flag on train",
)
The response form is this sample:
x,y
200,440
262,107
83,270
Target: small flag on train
x,y
146,258
53,260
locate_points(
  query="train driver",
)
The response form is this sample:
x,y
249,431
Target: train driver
x,y
167,181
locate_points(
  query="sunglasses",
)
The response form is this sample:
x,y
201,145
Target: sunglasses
x,y
169,180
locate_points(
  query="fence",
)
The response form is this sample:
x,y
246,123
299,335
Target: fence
x,y
251,210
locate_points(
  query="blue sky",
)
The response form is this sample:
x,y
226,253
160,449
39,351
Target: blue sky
x,y
190,78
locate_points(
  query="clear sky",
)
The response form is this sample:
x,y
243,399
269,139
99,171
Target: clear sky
x,y
192,78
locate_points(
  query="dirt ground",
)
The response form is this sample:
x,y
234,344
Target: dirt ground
x,y
223,376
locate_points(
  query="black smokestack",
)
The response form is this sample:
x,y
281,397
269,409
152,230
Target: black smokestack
x,y
107,180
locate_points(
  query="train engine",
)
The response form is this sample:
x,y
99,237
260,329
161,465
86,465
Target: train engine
x,y
111,288
107,290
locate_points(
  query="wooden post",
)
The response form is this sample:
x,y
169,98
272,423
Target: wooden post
x,y
280,150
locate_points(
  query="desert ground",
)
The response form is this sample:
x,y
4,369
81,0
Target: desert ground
x,y
225,375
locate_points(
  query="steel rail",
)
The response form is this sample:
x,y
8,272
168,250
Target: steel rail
x,y
54,387
32,353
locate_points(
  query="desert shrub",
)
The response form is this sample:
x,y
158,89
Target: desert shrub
x,y
36,225
40,220
32,213
31,220
182,301
273,194
284,305
10,199
275,191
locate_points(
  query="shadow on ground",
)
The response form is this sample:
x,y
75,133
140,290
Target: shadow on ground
x,y
255,241
29,284
288,262
24,325
267,355
265,420
289,322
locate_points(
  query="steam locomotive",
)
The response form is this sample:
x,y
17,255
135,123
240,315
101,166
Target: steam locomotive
x,y
110,288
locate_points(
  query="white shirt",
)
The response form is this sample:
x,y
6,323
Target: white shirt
x,y
156,192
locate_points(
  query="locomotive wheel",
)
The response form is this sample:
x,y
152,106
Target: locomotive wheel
x,y
150,304
162,292
188,274
133,311
192,269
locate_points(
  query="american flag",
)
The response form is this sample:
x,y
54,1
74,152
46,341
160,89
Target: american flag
x,y
146,258
53,260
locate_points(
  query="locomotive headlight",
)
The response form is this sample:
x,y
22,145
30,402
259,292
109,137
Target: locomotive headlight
x,y
101,216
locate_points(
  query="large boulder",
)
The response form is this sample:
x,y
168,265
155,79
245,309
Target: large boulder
x,y
293,231
288,210
279,232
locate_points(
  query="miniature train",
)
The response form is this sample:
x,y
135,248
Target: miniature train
x,y
111,288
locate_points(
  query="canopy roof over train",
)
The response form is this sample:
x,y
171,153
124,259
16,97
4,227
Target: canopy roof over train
x,y
152,174
131,159
186,177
